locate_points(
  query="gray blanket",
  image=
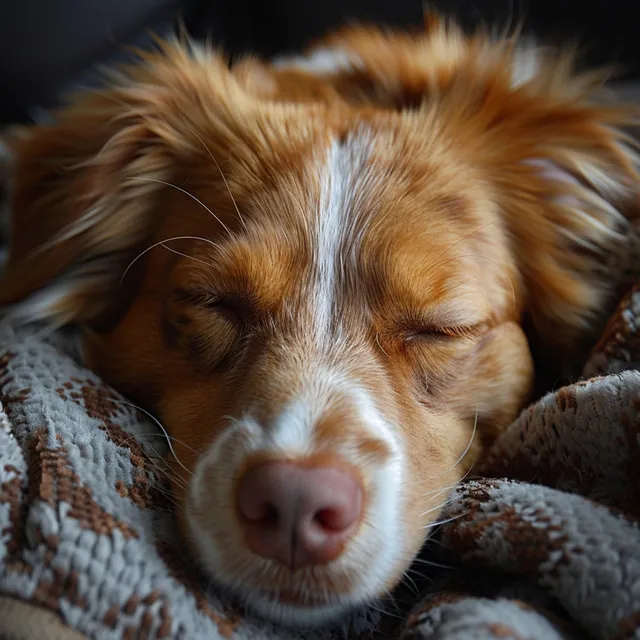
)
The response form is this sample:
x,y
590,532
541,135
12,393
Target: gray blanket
x,y
544,543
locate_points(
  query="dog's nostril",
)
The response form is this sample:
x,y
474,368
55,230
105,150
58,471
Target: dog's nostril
x,y
263,512
268,516
331,519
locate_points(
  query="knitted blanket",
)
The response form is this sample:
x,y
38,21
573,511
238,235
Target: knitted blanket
x,y
543,544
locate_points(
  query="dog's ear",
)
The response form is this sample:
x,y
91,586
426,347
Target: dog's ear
x,y
84,186
75,213
554,149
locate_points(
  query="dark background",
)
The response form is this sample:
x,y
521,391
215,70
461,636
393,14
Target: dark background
x,y
47,46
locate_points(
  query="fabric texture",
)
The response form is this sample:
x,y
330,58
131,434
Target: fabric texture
x,y
542,543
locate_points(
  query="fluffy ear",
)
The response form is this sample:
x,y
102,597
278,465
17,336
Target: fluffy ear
x,y
75,213
553,148
84,187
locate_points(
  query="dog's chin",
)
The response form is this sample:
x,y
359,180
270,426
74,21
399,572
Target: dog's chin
x,y
288,610
290,607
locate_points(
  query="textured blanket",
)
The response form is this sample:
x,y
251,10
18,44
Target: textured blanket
x,y
543,544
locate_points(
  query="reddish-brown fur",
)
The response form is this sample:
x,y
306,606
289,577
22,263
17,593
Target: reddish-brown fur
x,y
473,227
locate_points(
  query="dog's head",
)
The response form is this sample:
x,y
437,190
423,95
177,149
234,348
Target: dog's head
x,y
315,273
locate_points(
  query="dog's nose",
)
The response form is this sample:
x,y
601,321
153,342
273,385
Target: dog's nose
x,y
298,515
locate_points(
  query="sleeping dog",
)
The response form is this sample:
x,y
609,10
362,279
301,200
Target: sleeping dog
x,y
317,273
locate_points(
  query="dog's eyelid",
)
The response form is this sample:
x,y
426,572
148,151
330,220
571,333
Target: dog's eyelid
x,y
453,331
238,304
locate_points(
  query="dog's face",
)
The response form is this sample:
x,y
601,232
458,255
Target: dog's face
x,y
315,276
351,317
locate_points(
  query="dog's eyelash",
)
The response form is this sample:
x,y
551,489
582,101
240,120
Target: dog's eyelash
x,y
232,305
456,331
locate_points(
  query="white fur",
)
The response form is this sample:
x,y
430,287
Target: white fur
x,y
44,306
525,65
322,61
292,432
344,176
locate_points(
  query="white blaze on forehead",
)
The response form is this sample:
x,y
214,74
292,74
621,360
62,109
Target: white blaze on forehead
x,y
292,430
345,177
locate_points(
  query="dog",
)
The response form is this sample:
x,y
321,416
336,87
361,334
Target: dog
x,y
324,276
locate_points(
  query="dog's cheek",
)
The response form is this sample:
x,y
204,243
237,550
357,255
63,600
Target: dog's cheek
x,y
434,442
132,356
503,380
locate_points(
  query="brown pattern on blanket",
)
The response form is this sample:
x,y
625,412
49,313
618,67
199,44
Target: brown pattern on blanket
x,y
100,402
86,528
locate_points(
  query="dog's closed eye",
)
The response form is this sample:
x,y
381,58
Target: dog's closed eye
x,y
435,333
238,309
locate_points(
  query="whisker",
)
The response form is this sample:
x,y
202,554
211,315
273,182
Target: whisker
x,y
438,543
431,563
380,346
390,597
168,474
161,243
440,490
464,453
135,436
461,239
419,574
438,507
439,522
185,255
165,471
411,581
384,612
226,184
468,472
187,193
167,495
450,487
152,417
